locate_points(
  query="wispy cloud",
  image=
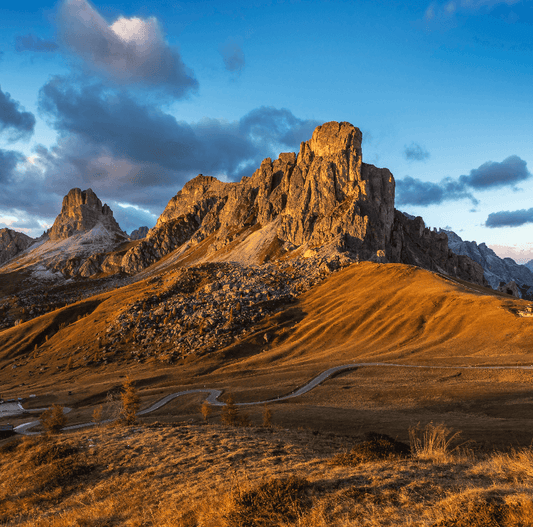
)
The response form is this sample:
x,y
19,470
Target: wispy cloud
x,y
32,42
232,55
415,152
490,175
509,218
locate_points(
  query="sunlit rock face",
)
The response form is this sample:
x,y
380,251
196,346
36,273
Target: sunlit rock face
x,y
324,196
12,243
81,211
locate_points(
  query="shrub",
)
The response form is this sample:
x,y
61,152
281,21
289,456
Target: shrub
x,y
231,415
376,447
273,502
53,419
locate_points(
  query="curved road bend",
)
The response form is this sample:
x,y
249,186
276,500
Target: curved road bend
x,y
213,395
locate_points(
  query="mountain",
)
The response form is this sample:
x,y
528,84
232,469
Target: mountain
x,y
81,212
80,242
498,271
139,234
324,201
12,243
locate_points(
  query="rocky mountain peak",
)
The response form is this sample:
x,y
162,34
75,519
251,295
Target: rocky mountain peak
x,y
12,243
335,138
80,212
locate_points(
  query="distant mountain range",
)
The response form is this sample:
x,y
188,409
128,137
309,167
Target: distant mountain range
x,y
498,271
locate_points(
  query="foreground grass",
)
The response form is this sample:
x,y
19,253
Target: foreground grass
x,y
217,476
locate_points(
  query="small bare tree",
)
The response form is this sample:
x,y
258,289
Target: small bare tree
x,y
130,402
206,410
267,417
53,419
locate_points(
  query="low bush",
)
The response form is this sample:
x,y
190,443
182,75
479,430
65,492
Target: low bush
x,y
376,447
53,419
273,502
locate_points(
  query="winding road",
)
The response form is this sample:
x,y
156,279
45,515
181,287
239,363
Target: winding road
x,y
213,394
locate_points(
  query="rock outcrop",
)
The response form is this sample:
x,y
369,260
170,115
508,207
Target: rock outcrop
x,y
81,212
413,243
509,289
12,243
324,196
498,271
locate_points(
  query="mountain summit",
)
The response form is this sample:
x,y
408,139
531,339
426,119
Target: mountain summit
x,y
324,200
82,211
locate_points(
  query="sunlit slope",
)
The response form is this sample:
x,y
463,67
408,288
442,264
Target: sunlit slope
x,y
394,311
367,312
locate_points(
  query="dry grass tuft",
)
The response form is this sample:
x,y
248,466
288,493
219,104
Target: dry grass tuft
x,y
514,466
434,442
486,510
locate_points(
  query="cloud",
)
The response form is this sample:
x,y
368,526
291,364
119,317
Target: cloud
x,y
127,130
508,218
490,175
415,152
493,175
443,10
131,217
133,153
128,51
34,43
15,121
232,55
410,191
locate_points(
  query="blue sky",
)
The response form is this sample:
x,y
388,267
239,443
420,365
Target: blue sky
x,y
132,99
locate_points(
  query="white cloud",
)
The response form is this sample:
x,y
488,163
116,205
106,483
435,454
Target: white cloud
x,y
128,51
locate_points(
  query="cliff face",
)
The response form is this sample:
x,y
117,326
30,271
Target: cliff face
x,y
324,196
12,243
411,242
81,211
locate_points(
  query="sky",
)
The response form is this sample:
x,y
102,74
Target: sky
x,y
133,99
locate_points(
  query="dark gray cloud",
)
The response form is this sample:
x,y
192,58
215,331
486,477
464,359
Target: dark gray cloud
x,y
170,151
491,174
132,153
17,123
509,218
32,42
129,51
232,55
8,162
410,191
415,152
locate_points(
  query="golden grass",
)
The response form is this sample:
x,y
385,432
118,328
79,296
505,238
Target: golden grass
x,y
217,476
